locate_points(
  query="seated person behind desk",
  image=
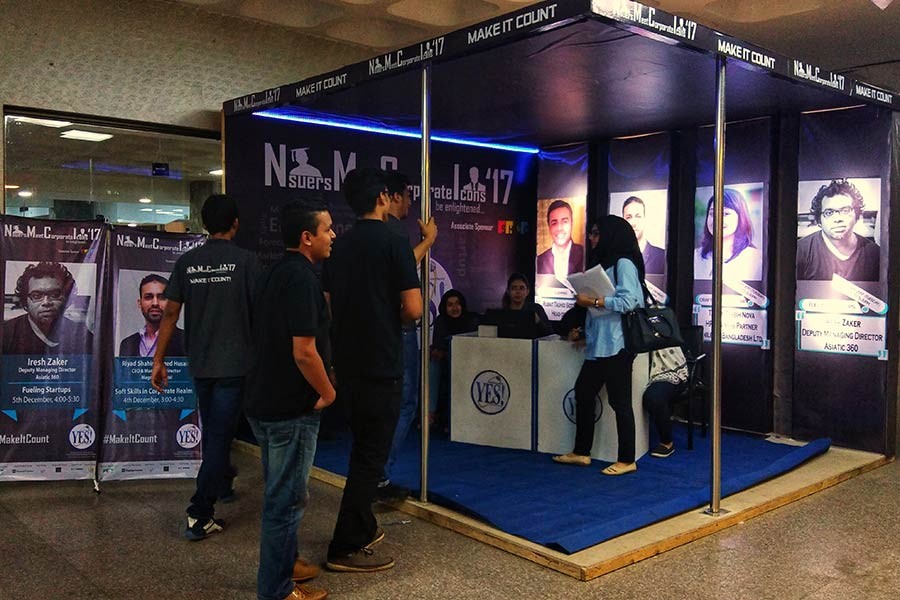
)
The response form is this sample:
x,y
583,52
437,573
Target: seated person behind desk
x,y
452,319
668,378
516,298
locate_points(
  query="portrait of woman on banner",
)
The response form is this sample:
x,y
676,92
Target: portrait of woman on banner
x,y
742,256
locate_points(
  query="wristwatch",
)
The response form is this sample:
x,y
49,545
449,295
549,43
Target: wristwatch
x,y
596,302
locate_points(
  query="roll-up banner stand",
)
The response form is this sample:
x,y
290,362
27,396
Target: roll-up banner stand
x,y
146,434
745,304
52,273
639,193
562,187
476,193
842,254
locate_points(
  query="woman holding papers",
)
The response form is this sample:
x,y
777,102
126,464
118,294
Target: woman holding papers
x,y
606,362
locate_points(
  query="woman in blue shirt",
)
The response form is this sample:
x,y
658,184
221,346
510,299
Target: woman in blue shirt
x,y
606,362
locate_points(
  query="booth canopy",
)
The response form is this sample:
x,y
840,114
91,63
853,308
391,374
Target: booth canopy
x,y
562,72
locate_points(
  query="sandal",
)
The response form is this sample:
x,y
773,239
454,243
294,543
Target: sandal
x,y
614,470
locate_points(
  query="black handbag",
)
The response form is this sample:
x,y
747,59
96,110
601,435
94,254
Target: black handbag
x,y
650,328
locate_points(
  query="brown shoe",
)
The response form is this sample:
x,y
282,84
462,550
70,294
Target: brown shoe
x,y
361,561
573,459
304,571
301,592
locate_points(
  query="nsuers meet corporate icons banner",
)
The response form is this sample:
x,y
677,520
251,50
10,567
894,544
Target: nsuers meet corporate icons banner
x,y
841,266
476,195
52,278
745,230
146,433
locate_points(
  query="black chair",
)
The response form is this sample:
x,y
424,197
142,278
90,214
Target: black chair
x,y
697,387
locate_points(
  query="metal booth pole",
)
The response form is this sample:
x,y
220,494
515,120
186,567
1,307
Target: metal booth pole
x,y
426,279
715,426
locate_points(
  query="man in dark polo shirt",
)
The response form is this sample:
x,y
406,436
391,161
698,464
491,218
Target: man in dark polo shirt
x,y
286,388
398,190
372,285
215,283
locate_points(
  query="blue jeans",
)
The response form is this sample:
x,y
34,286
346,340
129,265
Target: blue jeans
x,y
409,402
287,449
219,401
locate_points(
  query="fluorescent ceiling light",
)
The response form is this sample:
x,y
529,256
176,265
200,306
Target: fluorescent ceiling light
x,y
178,210
86,136
271,114
45,122
217,172
145,200
146,210
9,186
132,224
26,194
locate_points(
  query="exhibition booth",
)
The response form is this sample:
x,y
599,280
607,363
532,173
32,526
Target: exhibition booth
x,y
595,103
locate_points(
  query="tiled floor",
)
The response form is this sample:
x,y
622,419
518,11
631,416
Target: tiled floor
x,y
61,540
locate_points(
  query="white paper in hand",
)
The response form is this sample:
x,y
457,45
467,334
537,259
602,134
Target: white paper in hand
x,y
593,282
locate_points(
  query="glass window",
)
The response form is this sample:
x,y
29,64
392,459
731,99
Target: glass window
x,y
58,168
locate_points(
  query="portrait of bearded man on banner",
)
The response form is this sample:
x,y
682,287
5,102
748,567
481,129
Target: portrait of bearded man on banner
x,y
152,303
43,291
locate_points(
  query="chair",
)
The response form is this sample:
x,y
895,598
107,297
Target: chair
x,y
697,387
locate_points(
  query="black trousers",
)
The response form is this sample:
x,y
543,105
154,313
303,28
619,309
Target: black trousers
x,y
615,373
374,408
658,401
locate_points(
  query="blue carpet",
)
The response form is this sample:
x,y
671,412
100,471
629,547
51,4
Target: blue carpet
x,y
570,508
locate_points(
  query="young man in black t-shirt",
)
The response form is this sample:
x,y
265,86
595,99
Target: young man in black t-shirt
x,y
287,386
372,284
215,283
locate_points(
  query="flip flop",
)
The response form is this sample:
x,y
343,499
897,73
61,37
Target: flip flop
x,y
614,470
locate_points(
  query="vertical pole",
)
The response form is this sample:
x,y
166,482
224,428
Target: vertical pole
x,y
715,480
426,279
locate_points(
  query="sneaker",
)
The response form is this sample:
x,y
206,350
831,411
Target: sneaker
x,y
301,592
377,538
573,459
661,451
361,561
304,571
391,492
197,529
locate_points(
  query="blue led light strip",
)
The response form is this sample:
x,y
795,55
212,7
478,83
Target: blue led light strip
x,y
269,114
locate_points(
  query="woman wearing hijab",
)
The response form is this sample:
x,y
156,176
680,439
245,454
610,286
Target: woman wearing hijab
x,y
452,319
606,362
516,298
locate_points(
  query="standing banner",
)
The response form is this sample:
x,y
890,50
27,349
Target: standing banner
x,y
639,193
475,192
745,229
562,246
52,274
842,253
146,434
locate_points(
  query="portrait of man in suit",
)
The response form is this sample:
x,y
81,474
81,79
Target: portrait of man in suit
x,y
152,304
563,256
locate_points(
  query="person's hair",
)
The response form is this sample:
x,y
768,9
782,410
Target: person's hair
x,y
362,188
743,235
837,187
40,271
299,216
633,200
617,240
219,213
558,204
150,279
512,279
451,293
396,182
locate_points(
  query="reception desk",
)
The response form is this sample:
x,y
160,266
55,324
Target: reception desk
x,y
513,393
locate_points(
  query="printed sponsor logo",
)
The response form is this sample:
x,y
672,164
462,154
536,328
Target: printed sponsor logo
x,y
188,436
82,436
266,98
126,240
568,406
427,50
490,392
45,232
647,17
815,75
